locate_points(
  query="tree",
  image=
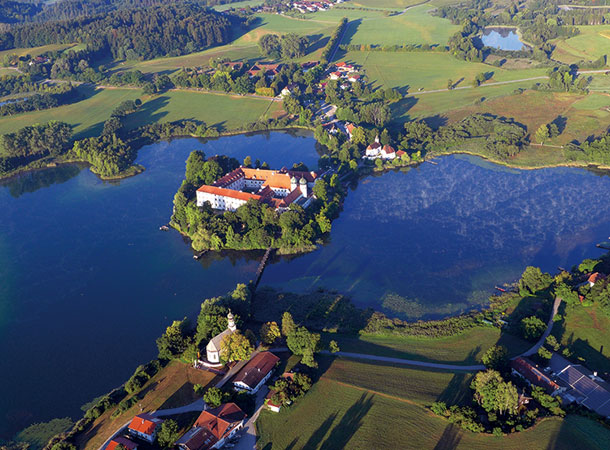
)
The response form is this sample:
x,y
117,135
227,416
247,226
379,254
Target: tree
x,y
168,433
542,133
302,341
532,328
449,83
496,357
174,341
288,325
533,280
236,347
493,394
333,346
270,332
248,161
270,45
214,397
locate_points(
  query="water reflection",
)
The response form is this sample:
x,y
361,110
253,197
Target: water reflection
x,y
502,38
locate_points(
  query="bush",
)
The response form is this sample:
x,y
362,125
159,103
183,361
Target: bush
x,y
532,328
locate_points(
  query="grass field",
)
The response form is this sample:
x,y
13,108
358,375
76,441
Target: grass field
x,y
585,332
416,26
385,4
35,51
592,42
237,5
362,406
466,348
7,71
88,115
600,83
415,70
170,388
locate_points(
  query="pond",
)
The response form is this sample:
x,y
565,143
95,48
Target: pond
x,y
502,38
88,281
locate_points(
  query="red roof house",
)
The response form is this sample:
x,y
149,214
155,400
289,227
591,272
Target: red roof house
x,y
121,440
145,426
254,374
595,277
531,373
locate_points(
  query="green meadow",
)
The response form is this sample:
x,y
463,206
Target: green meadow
x,y
364,406
592,42
35,51
88,115
237,5
416,26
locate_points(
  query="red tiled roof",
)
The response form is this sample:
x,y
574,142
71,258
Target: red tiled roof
x,y
197,439
220,420
373,146
400,152
144,423
595,277
388,149
533,374
256,369
340,64
228,193
128,444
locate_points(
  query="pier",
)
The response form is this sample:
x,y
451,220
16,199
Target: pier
x,y
261,267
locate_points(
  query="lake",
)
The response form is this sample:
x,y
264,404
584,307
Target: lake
x,y
502,38
89,282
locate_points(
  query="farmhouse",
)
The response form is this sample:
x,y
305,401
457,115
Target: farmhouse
x,y
524,368
254,374
373,150
213,428
388,152
268,69
279,189
145,427
580,385
335,75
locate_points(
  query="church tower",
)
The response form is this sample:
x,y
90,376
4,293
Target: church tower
x,y
231,319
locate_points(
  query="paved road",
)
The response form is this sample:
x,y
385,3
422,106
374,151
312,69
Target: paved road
x,y
546,333
247,440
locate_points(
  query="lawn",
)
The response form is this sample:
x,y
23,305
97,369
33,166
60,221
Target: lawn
x,y
170,388
88,115
592,42
466,348
599,83
428,70
237,5
343,411
416,26
585,332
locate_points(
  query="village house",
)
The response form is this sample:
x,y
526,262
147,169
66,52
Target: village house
x,y
279,189
388,152
121,440
254,374
145,427
595,277
349,130
307,66
213,428
373,150
353,78
335,75
268,69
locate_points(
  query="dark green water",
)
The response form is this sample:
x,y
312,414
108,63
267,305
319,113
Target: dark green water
x,y
88,282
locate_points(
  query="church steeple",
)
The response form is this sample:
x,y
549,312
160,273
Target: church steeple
x,y
231,321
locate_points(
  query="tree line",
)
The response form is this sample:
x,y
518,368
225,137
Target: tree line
x,y
164,30
63,94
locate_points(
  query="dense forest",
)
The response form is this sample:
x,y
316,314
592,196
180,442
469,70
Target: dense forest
x,y
131,33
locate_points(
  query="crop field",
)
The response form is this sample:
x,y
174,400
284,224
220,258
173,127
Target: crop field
x,y
592,42
170,388
585,332
428,70
337,414
416,26
466,348
88,115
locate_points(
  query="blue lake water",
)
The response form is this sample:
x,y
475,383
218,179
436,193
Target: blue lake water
x,y
88,282
502,38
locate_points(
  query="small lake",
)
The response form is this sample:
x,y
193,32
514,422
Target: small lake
x,y
88,281
502,38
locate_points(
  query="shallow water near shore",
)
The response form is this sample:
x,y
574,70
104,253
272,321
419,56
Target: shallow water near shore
x,y
89,282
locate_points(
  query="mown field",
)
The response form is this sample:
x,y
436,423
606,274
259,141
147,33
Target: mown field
x,y
170,388
416,26
384,4
237,5
592,42
35,51
466,348
364,406
88,115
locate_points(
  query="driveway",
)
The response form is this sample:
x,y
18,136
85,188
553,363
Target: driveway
x,y
247,440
